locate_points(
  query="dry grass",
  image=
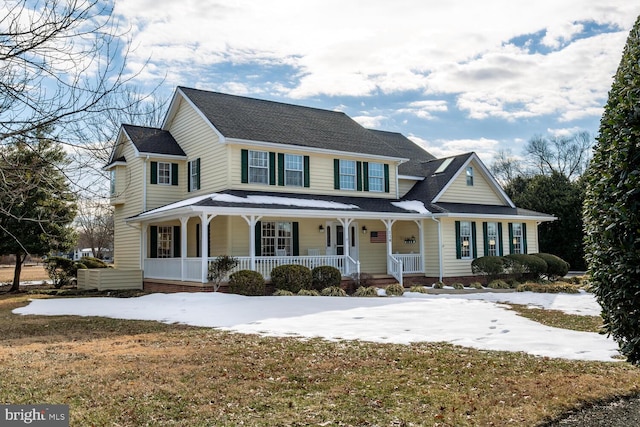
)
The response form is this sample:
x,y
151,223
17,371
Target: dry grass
x,y
126,373
29,273
559,319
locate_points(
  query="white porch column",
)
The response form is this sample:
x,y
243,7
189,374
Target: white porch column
x,y
183,246
252,221
420,223
205,219
388,223
143,245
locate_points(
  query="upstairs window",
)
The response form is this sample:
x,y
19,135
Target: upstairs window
x,y
113,181
258,167
164,173
376,177
470,176
293,170
347,175
194,175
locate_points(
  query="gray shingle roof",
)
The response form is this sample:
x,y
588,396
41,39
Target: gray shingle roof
x,y
406,149
153,140
253,119
433,183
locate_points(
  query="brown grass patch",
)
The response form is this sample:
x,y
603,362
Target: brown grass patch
x,y
125,373
29,273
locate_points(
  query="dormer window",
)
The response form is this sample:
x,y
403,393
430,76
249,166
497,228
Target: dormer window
x,y
470,176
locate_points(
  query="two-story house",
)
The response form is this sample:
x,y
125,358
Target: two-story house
x,y
272,183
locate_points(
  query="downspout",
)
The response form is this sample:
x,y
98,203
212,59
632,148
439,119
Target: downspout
x,y
440,266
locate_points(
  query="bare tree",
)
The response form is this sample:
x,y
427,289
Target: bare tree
x,y
95,227
506,167
568,156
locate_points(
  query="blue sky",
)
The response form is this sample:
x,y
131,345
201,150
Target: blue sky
x,y
454,76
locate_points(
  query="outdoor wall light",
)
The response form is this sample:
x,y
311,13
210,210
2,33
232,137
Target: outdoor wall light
x,y
321,228
364,229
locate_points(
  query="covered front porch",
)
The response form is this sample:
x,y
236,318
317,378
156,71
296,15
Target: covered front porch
x,y
173,245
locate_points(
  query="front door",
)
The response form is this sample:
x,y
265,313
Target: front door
x,y
336,239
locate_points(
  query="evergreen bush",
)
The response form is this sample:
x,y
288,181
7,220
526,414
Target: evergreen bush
x,y
247,282
283,293
291,277
490,266
556,266
418,288
308,292
333,291
325,276
527,266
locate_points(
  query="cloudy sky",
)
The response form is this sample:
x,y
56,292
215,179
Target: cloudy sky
x,y
455,76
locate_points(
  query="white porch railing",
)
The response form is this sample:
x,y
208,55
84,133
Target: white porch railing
x,y
264,264
394,268
411,263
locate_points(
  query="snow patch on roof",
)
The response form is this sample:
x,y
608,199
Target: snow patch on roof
x,y
412,205
180,204
283,201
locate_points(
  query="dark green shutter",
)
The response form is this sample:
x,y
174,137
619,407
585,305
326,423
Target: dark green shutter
x,y
280,169
524,238
176,241
244,165
474,248
485,238
359,176
258,238
296,238
198,173
386,178
458,247
500,245
510,238
272,168
190,166
307,178
336,174
174,174
365,173
153,244
154,172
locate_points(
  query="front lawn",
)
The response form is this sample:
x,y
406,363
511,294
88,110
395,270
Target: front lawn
x,y
137,373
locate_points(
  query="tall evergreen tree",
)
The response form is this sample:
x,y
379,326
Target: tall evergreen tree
x,y
612,205
37,206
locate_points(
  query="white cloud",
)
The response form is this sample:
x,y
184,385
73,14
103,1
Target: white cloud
x,y
485,148
424,109
371,122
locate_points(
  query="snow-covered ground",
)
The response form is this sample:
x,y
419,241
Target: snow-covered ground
x,y
476,320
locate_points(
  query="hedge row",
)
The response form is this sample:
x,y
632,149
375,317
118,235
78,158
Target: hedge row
x,y
293,278
527,266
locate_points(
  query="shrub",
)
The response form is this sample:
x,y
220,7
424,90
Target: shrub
x,y
438,285
366,291
490,266
61,270
527,266
357,280
498,284
476,285
419,289
91,262
283,293
395,290
220,268
308,292
552,288
458,286
246,282
291,277
333,291
556,266
325,276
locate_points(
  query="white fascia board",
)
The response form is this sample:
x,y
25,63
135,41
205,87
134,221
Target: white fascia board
x,y
168,215
485,172
173,108
113,165
281,146
121,133
161,156
496,216
411,177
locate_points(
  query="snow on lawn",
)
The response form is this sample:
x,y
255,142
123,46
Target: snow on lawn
x,y
471,320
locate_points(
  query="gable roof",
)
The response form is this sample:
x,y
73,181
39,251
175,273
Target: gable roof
x,y
406,148
152,140
251,119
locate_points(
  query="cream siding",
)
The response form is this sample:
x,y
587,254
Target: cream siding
x,y
126,237
430,235
373,256
197,139
482,192
404,185
163,194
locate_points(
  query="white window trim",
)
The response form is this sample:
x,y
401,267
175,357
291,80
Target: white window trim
x,y
276,239
469,237
354,175
301,170
165,236
193,175
160,167
377,177
517,243
250,167
496,236
469,174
